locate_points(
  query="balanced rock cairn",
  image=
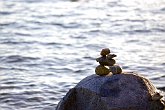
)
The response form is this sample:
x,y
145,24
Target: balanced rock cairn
x,y
107,63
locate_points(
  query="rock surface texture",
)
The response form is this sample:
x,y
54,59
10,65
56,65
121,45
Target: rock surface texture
x,y
127,91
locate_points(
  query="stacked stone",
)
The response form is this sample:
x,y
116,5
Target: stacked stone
x,y
107,63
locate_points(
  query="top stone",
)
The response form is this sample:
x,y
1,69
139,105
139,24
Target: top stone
x,y
105,51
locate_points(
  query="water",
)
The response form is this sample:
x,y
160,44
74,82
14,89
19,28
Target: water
x,y
48,46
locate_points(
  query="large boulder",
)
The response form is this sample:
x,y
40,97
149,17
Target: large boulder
x,y
114,92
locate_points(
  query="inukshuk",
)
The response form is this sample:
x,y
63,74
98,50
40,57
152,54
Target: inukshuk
x,y
107,63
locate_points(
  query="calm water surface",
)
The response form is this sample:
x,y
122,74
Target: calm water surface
x,y
48,46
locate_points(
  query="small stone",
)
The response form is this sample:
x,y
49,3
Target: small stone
x,y
156,96
104,61
110,56
101,70
105,51
110,62
116,69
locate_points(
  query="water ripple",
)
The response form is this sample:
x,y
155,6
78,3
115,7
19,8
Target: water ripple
x,y
16,58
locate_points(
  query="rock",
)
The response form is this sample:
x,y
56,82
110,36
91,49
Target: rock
x,y
104,61
110,56
101,70
105,51
156,96
127,91
116,69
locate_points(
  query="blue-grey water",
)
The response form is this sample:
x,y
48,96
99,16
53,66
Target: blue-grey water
x,y
48,46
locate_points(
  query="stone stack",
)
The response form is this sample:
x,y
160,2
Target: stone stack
x,y
107,63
